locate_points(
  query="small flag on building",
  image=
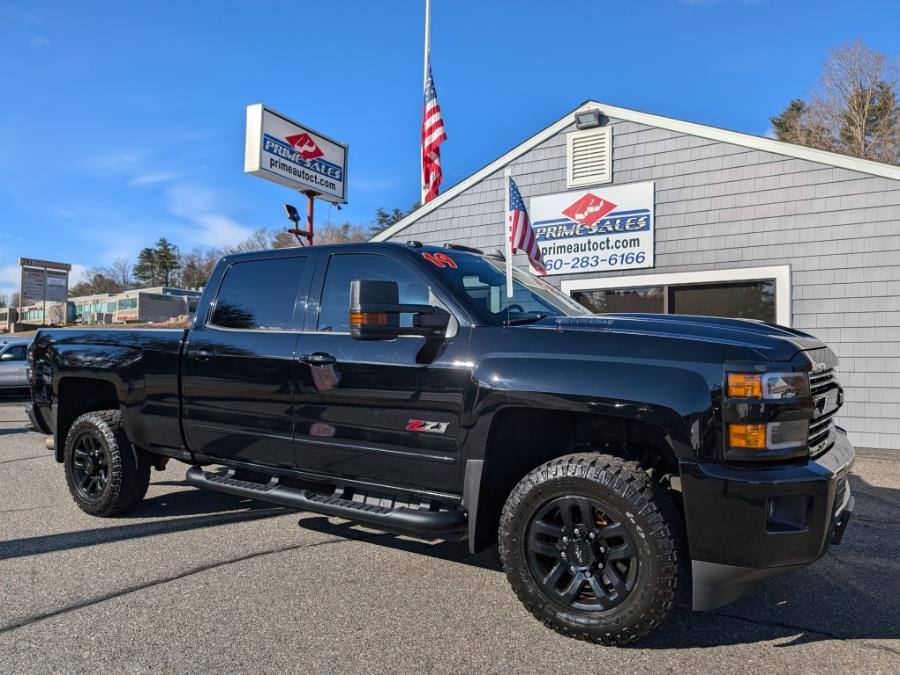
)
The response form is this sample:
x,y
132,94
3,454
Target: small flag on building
x,y
522,236
433,134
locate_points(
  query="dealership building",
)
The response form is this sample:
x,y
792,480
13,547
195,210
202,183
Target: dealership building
x,y
643,213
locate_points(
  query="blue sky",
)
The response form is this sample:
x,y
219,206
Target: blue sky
x,y
123,122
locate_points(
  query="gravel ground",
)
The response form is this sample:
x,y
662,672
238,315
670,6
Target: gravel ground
x,y
197,581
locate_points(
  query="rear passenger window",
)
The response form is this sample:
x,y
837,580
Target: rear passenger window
x,y
259,294
334,312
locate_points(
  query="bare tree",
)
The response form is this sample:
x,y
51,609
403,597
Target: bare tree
x,y
284,239
853,110
197,266
120,271
257,241
856,102
95,280
56,313
340,234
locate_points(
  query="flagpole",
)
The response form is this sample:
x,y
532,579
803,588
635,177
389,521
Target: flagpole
x,y
507,229
425,83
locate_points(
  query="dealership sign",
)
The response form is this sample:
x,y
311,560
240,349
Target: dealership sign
x,y
285,152
597,230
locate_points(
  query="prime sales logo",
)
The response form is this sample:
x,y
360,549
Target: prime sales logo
x,y
305,146
589,209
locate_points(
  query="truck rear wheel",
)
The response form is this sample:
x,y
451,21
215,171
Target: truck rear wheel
x,y
587,544
106,474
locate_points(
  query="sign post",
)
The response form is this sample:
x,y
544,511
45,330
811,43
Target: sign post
x,y
292,155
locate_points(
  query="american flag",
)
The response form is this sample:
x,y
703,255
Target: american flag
x,y
522,234
433,134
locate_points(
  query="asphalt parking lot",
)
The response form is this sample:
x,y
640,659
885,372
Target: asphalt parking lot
x,y
197,581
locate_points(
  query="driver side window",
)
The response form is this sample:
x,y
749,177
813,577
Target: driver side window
x,y
343,268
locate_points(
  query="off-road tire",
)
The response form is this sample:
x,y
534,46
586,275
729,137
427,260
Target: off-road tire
x,y
648,516
127,467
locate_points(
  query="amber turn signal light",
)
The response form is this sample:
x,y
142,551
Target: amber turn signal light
x,y
747,436
744,385
368,318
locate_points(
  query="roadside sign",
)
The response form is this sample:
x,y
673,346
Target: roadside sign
x,y
43,281
603,229
290,154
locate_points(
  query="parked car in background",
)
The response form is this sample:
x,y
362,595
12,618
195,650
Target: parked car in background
x,y
13,363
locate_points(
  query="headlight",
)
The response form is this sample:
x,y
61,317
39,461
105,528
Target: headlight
x,y
771,386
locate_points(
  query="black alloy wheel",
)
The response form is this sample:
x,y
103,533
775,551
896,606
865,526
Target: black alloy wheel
x,y
580,555
106,474
90,465
590,545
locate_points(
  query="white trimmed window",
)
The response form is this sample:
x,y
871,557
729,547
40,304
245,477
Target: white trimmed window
x,y
762,293
589,157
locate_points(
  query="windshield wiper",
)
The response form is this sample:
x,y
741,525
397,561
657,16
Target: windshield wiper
x,y
528,318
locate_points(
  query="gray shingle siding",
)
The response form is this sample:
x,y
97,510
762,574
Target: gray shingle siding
x,y
721,206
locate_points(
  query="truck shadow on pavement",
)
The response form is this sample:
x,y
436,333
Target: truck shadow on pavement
x,y
189,509
849,594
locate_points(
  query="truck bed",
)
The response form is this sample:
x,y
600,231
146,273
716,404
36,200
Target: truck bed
x,y
140,365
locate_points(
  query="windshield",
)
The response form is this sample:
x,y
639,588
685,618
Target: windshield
x,y
483,280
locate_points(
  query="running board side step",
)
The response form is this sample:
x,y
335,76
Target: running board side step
x,y
441,524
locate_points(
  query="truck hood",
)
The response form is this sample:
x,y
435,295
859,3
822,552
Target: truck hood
x,y
775,343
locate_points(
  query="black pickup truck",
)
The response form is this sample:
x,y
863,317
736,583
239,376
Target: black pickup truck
x,y
398,386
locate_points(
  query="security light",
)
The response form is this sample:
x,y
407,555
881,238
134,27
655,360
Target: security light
x,y
292,213
587,119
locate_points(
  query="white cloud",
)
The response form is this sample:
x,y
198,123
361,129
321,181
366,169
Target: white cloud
x,y
115,162
78,273
152,178
217,230
202,208
9,280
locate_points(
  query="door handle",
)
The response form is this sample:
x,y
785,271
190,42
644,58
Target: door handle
x,y
201,354
318,359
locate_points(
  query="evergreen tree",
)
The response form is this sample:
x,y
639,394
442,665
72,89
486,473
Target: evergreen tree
x,y
156,265
168,260
384,219
145,270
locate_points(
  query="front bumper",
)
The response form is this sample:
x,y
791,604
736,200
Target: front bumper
x,y
747,524
36,419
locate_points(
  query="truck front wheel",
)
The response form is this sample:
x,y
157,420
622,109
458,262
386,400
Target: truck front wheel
x,y
587,544
106,474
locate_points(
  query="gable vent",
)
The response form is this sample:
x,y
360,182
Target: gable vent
x,y
589,157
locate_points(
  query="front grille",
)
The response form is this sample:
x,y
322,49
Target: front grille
x,y
825,392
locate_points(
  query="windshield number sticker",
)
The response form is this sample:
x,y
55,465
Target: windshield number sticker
x,y
439,259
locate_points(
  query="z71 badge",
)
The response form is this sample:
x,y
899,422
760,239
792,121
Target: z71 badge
x,y
428,427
